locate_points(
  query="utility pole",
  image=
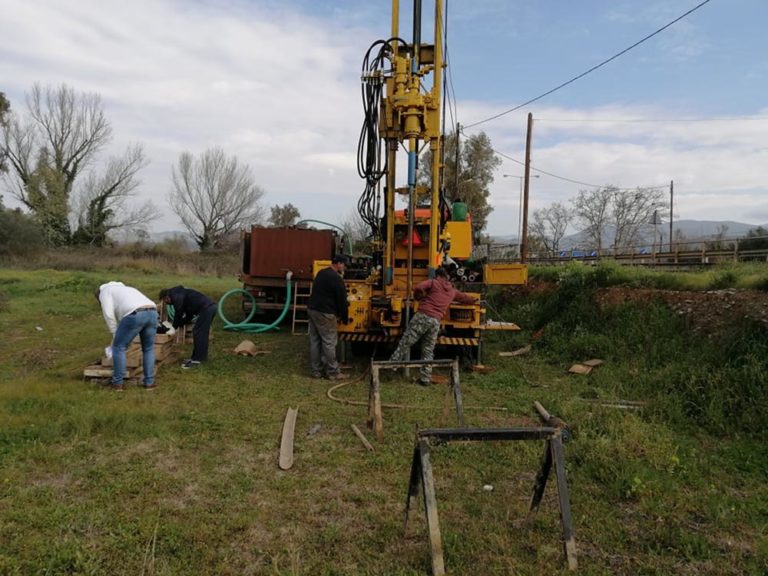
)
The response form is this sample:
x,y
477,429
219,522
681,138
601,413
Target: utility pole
x,y
524,232
671,198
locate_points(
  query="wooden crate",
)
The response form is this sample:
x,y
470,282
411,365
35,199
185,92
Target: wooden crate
x,y
133,357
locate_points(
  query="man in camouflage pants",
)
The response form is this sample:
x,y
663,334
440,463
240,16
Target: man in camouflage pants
x,y
435,297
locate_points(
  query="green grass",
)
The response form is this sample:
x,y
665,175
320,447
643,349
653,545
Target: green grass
x,y
609,273
185,480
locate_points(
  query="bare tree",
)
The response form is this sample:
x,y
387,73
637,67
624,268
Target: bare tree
x,y
214,195
549,226
630,212
60,136
356,231
102,204
592,210
5,108
283,216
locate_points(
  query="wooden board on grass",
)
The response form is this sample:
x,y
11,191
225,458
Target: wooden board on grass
x,y
286,443
99,371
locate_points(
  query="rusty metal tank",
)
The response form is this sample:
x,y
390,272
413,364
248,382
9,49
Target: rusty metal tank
x,y
271,252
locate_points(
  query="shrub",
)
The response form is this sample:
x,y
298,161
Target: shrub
x,y
19,234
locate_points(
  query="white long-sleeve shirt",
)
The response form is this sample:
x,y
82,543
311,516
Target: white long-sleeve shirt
x,y
118,300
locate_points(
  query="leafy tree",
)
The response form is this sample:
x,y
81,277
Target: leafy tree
x,y
477,163
19,233
102,204
61,135
549,226
214,195
284,216
756,239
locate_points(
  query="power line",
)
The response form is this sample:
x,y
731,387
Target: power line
x,y
603,63
571,180
649,120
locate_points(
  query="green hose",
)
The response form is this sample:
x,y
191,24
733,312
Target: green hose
x,y
254,327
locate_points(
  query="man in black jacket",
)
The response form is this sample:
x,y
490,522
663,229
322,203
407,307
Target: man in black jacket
x,y
327,302
187,304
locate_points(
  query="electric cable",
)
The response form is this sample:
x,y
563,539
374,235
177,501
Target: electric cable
x,y
603,63
329,394
655,120
564,178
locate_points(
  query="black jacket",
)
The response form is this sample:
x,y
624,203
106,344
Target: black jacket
x,y
329,295
187,304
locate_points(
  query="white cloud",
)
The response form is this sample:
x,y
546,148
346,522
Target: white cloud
x,y
281,90
276,88
719,166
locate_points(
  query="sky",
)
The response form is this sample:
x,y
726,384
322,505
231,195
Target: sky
x,y
277,83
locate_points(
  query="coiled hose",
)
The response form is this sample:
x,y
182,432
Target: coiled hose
x,y
254,327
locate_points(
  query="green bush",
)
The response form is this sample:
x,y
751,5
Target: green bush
x,y
19,235
717,382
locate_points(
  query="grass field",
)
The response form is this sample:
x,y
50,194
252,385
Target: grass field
x,y
184,480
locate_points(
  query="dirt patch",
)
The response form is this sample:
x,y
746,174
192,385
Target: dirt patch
x,y
708,313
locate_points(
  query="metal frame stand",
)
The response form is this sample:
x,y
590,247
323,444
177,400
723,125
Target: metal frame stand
x,y
421,473
375,418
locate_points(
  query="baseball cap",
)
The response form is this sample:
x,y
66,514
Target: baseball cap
x,y
339,259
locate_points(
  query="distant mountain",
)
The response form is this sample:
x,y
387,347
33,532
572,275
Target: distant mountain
x,y
690,229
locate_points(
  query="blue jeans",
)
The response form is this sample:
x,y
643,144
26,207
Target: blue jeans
x,y
143,323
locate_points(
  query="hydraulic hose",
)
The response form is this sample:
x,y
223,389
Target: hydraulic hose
x,y
254,327
340,229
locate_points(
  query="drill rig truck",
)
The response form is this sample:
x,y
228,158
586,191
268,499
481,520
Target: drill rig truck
x,y
401,86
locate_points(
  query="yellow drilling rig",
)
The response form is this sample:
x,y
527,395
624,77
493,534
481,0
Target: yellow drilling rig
x,y
401,87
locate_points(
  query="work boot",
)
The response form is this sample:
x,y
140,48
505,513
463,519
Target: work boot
x,y
150,387
187,364
117,387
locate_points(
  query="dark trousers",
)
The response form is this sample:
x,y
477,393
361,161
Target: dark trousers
x,y
200,332
322,343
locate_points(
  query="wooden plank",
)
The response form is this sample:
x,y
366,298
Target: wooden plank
x,y
286,443
430,505
362,437
569,540
594,363
580,369
99,371
456,386
518,352
378,419
162,353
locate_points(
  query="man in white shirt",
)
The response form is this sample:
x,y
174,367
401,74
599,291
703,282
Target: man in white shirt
x,y
128,313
